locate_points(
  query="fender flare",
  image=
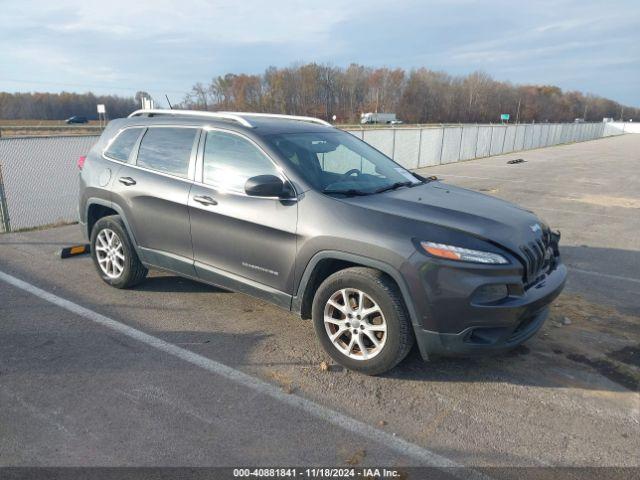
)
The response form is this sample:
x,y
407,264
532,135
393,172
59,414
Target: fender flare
x,y
114,206
296,302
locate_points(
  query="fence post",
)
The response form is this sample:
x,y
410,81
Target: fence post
x,y
475,152
490,139
393,145
441,145
504,138
4,208
419,145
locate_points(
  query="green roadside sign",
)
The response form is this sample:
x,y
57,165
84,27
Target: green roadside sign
x,y
504,117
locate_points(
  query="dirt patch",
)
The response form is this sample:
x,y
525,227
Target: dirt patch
x,y
517,351
59,223
356,458
608,201
598,336
613,372
594,316
629,355
283,380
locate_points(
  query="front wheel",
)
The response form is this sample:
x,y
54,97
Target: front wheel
x,y
361,321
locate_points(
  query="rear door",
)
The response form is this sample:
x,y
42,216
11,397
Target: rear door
x,y
243,242
153,192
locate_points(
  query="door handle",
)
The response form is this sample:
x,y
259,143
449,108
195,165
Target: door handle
x,y
128,181
205,200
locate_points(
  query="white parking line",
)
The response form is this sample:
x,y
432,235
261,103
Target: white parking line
x,y
512,180
421,455
605,275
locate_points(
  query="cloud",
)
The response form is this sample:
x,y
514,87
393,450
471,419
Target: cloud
x,y
168,45
247,21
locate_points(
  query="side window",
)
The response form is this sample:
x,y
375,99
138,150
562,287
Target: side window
x,y
120,148
229,160
167,149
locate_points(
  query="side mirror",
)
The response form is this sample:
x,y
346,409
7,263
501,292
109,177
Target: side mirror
x,y
264,186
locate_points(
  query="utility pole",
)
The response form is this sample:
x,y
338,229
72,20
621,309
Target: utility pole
x,y
518,112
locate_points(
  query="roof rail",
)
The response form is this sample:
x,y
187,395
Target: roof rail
x,y
235,116
284,117
192,113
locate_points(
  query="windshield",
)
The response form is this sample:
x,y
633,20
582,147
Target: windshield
x,y
338,162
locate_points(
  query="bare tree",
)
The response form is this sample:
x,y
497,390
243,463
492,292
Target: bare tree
x,y
421,95
58,106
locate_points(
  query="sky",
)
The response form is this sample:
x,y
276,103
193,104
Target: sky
x,y
165,46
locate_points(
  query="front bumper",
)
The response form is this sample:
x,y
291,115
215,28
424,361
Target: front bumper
x,y
479,340
450,323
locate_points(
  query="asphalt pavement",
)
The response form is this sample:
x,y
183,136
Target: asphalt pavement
x,y
177,373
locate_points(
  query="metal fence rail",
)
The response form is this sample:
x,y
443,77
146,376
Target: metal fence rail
x,y
39,178
427,146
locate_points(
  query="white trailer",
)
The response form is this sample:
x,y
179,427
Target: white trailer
x,y
387,118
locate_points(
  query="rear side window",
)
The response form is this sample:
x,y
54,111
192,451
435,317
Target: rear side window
x,y
167,150
120,148
229,160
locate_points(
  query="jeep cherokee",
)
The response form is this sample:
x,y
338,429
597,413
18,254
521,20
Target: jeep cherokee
x,y
306,216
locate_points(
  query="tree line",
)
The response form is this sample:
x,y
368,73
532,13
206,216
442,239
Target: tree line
x,y
58,106
417,96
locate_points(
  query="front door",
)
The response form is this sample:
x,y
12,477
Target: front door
x,y
243,242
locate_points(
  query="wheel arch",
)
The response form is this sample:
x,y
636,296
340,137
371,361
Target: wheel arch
x,y
327,262
107,208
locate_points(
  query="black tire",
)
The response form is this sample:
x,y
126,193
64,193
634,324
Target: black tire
x,y
381,289
133,271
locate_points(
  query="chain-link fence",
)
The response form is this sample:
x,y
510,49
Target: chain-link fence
x,y
39,180
39,177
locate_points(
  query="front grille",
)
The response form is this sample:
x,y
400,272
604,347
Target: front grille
x,y
538,257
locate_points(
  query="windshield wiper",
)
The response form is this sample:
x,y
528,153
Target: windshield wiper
x,y
351,191
393,186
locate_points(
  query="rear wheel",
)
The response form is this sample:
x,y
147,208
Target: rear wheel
x,y
113,254
361,321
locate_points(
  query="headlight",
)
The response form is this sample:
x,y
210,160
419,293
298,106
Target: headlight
x,y
451,252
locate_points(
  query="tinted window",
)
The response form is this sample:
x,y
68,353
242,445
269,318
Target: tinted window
x,y
167,149
342,160
229,160
121,147
339,162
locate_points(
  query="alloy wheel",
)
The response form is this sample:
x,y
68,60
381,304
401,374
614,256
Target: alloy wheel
x,y
110,253
355,324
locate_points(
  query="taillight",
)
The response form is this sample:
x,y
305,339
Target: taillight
x,y
81,161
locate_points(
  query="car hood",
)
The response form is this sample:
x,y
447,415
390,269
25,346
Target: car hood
x,y
457,208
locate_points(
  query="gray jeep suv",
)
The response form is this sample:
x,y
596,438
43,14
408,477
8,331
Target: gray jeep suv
x,y
310,218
